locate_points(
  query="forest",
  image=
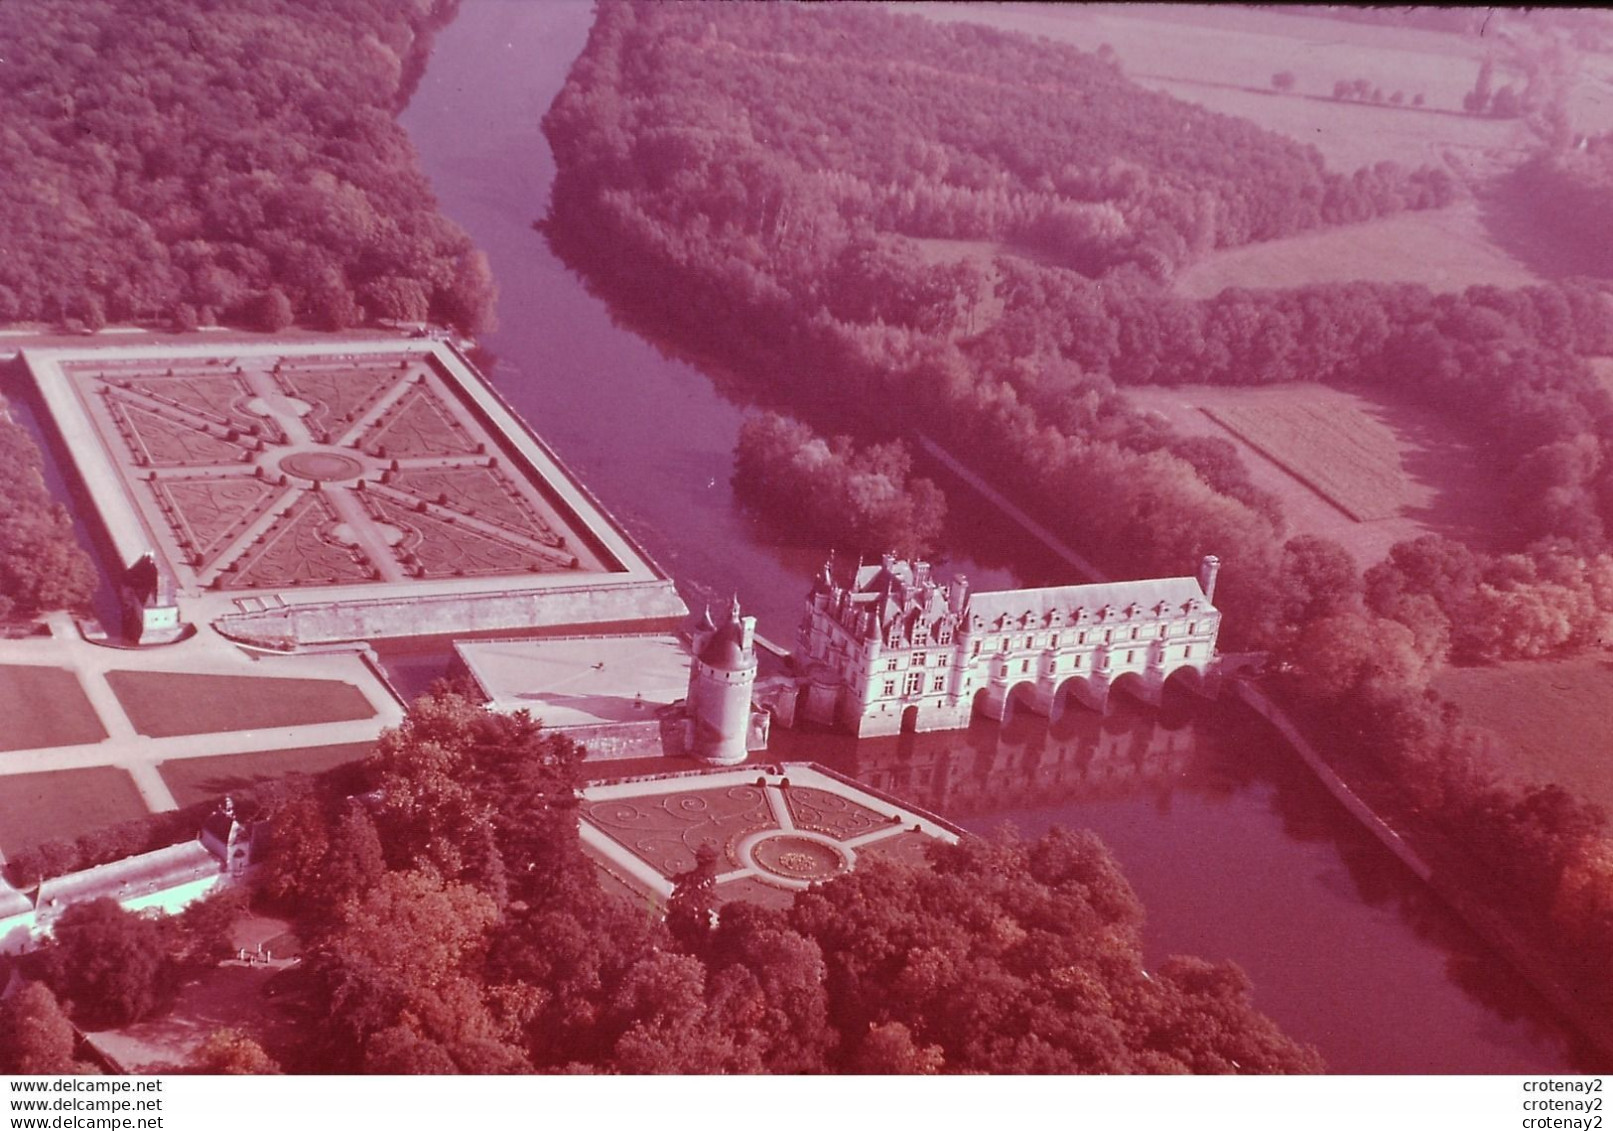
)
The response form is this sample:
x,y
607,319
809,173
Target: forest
x,y
827,492
42,566
451,923
172,163
779,178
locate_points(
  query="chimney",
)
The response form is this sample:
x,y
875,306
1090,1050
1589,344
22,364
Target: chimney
x,y
958,593
1208,568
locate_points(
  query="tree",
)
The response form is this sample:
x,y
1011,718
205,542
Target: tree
x,y
202,934
230,1052
274,312
35,1035
1477,100
111,964
691,910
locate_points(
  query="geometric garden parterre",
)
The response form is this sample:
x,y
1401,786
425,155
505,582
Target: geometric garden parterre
x,y
271,471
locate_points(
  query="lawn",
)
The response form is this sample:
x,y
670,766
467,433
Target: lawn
x,y
1223,58
1445,250
42,706
168,704
1446,486
62,804
203,779
1552,714
1348,458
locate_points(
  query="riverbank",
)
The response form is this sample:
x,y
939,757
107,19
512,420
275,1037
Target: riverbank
x,y
1523,954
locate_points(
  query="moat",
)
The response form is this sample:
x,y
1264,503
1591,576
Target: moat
x,y
1235,850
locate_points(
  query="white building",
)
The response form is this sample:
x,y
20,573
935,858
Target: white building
x,y
895,649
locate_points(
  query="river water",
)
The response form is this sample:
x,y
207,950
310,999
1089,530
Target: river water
x,y
1234,849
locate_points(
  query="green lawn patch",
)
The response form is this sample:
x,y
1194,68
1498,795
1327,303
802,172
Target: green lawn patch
x,y
169,704
203,779
42,706
1552,714
63,804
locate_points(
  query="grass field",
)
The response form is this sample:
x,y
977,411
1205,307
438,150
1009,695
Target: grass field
x,y
62,804
1446,250
167,704
203,779
1446,487
1348,458
1603,368
1223,57
1552,714
42,706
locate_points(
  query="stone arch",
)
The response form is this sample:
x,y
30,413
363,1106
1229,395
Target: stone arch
x,y
1080,689
982,703
1134,685
910,719
1186,677
1020,697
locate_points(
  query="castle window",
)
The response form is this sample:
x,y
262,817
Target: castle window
x,y
1192,627
940,683
944,662
1054,642
1108,635
915,683
1130,656
943,633
890,687
1076,662
1080,638
976,650
920,659
1163,629
1187,650
890,665
1024,665
1134,633
1030,641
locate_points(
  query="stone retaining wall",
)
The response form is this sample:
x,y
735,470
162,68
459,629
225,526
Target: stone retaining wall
x,y
449,615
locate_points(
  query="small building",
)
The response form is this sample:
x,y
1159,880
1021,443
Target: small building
x,y
16,919
165,881
892,648
150,609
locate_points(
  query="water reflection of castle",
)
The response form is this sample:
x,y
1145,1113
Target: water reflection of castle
x,y
1028,762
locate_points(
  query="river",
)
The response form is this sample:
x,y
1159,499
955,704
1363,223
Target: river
x,y
1235,850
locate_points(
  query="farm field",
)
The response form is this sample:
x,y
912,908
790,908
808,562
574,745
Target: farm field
x,y
44,706
63,804
1396,462
1551,714
1446,250
1348,458
202,779
1603,368
168,704
1223,58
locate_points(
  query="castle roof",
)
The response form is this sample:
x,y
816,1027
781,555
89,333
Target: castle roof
x,y
134,876
1036,607
725,649
12,901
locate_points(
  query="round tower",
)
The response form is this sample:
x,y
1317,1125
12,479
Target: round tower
x,y
721,677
